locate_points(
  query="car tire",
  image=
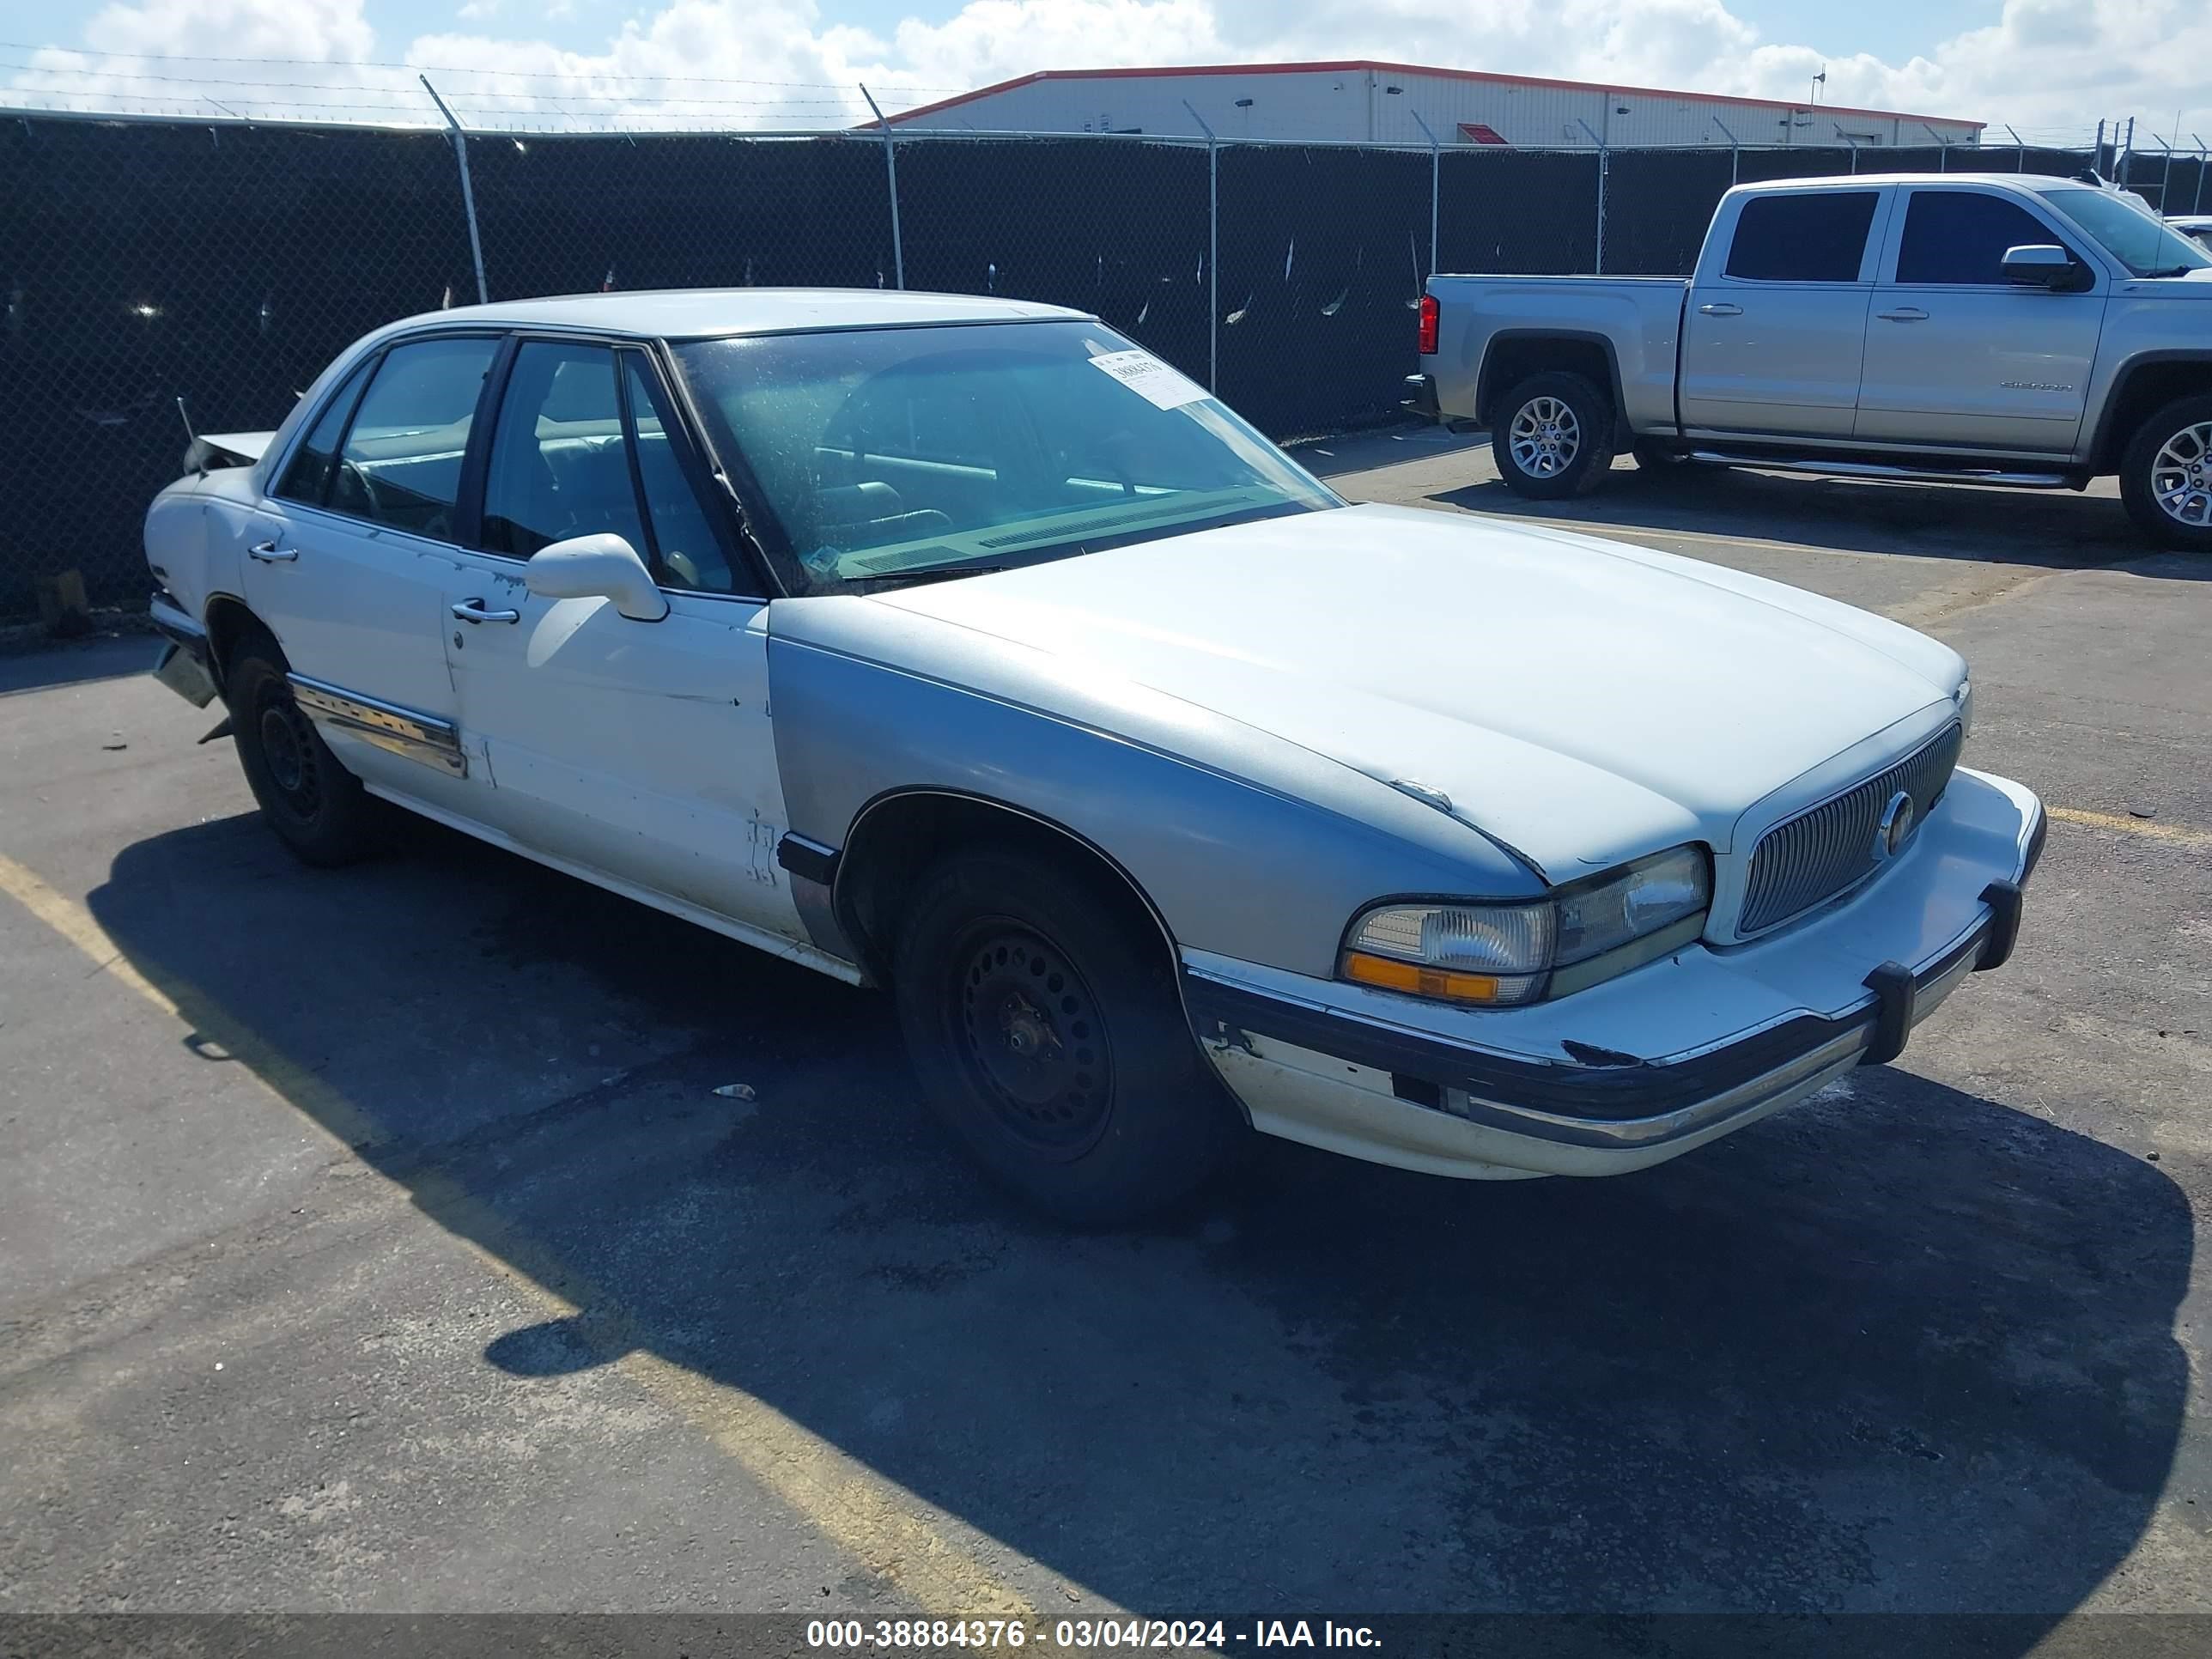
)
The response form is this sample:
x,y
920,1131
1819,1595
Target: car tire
x,y
1044,1023
2170,458
1553,437
317,809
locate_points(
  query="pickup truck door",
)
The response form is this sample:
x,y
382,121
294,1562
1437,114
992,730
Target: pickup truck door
x,y
349,556
1958,356
1777,315
637,750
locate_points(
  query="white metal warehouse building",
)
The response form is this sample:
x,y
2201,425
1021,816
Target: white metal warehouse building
x,y
1364,101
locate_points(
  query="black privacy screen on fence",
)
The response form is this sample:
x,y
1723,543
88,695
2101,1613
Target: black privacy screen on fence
x,y
225,264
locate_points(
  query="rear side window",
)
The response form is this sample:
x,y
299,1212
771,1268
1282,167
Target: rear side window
x,y
308,477
1961,236
1816,237
401,464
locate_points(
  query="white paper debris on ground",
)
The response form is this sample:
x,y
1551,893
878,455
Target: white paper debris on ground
x,y
1149,377
735,1092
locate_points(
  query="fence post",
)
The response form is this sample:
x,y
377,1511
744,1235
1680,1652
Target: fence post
x,y
1604,163
890,176
1212,251
2199,208
2127,152
1735,151
468,192
1436,182
1854,143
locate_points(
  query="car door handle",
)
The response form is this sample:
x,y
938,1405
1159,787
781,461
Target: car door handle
x,y
472,610
1903,314
1723,309
270,553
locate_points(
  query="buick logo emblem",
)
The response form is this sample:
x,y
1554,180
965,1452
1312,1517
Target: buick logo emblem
x,y
1895,828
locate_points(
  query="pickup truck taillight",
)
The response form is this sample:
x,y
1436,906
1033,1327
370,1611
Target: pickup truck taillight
x,y
1428,325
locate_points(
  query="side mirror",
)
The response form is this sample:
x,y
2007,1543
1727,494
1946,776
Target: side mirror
x,y
2044,265
601,567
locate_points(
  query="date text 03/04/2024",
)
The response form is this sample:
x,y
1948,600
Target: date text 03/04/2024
x,y
933,1634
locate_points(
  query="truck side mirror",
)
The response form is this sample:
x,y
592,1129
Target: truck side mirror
x,y
2045,265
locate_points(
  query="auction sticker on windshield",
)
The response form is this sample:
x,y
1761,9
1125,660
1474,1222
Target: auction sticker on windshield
x,y
1149,378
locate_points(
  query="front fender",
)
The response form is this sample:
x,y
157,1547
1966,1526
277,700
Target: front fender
x,y
1266,860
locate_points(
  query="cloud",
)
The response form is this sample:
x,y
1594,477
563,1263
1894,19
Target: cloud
x,y
2047,65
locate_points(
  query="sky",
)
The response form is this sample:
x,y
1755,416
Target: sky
x,y
2050,68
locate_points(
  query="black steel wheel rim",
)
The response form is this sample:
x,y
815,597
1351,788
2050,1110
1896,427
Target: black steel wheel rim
x,y
1031,1037
288,754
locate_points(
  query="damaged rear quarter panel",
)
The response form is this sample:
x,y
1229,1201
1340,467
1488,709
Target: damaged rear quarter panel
x,y
1247,844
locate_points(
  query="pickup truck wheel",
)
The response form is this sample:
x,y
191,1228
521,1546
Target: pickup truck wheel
x,y
317,809
1048,1033
2165,474
1553,437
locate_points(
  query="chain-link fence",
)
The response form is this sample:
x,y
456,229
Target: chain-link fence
x,y
224,264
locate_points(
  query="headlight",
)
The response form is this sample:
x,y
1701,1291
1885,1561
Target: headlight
x,y
1503,954
1963,701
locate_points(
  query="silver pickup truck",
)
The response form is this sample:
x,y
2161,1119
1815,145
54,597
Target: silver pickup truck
x,y
1959,327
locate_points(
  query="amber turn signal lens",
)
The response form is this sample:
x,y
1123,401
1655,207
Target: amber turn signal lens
x,y
1388,976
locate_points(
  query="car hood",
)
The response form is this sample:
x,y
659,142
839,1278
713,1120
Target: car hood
x,y
1580,701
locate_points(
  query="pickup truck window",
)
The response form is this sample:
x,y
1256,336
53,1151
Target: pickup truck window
x,y
1960,236
898,454
2142,243
1818,237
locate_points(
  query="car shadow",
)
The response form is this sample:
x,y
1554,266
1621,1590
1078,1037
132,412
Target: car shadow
x,y
1904,1348
2053,529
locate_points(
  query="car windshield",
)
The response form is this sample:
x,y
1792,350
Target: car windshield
x,y
902,454
2130,233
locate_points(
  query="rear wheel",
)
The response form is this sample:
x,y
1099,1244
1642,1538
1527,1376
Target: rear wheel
x,y
2165,474
1553,437
1044,1024
317,809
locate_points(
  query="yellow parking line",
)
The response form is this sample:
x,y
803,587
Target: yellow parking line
x,y
891,1531
2149,828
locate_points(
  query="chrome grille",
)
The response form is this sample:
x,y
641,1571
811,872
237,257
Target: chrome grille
x,y
1829,848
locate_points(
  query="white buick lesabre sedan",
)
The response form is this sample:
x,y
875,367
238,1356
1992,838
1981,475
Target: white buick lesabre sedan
x,y
959,646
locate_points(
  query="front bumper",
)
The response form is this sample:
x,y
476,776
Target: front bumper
x,y
1644,1067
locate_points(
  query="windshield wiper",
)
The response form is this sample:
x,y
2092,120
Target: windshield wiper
x,y
2171,270
934,573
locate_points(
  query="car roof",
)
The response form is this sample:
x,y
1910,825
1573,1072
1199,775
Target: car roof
x,y
2040,182
698,313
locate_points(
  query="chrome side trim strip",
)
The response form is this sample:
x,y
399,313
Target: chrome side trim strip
x,y
403,731
1978,475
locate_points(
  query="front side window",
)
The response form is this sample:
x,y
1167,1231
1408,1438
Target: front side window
x,y
1818,237
896,454
690,553
559,467
401,463
2127,230
1961,236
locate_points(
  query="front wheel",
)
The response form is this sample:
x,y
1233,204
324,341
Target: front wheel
x,y
1044,1024
1553,437
2165,475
